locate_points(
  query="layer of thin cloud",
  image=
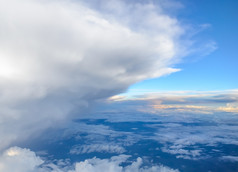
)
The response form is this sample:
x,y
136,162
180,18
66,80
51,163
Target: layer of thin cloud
x,y
230,158
200,102
183,140
102,148
183,153
230,107
184,135
16,159
180,108
192,135
60,56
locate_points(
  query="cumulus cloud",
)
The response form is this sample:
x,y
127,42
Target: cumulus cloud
x,y
16,159
113,165
60,56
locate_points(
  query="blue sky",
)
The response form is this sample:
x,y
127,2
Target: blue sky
x,y
215,71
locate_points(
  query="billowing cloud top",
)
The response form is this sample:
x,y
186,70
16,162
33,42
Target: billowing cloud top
x,y
58,55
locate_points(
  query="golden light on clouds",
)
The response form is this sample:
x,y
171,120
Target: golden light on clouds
x,y
12,152
229,108
178,106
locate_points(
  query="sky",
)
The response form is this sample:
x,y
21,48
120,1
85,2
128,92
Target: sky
x,y
216,70
59,59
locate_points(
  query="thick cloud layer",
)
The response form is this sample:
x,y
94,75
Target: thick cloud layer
x,y
59,56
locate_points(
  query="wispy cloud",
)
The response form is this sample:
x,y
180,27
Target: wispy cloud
x,y
183,153
230,158
206,102
188,140
103,148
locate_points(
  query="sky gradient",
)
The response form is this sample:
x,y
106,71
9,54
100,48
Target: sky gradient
x,y
216,70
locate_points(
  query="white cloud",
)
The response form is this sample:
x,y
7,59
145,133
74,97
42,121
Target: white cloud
x,y
230,158
188,141
104,148
59,56
16,159
183,153
103,137
113,165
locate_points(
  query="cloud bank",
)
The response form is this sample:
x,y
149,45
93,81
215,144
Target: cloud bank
x,y
60,56
17,159
173,102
